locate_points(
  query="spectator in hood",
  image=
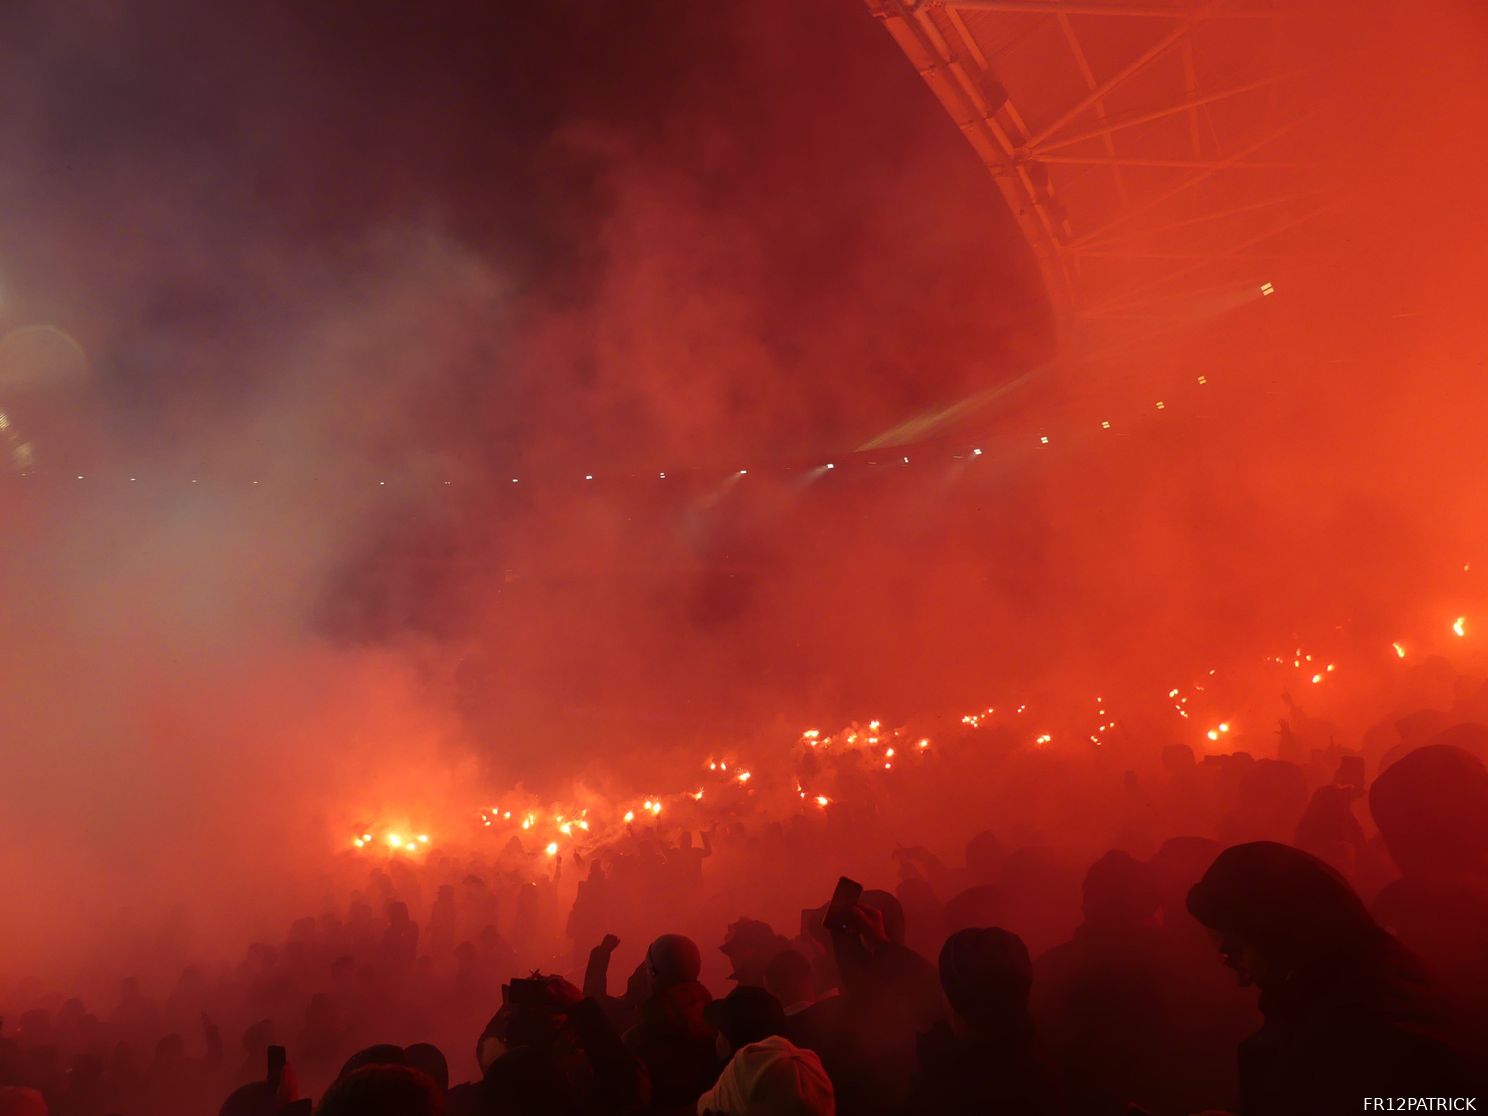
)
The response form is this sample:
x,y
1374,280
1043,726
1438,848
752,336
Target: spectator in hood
x,y
1349,1012
771,1077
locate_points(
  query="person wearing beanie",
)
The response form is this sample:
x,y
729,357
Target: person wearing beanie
x,y
673,959
673,1040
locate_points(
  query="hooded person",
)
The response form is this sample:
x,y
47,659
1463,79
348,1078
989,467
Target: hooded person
x,y
772,1077
1348,1011
983,1057
673,1039
1431,808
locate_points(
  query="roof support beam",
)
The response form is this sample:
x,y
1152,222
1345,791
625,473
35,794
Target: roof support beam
x,y
1138,161
1186,105
1134,11
1187,184
1100,92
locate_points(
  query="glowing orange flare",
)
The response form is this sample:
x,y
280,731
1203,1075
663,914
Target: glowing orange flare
x,y
822,800
1399,650
1459,626
743,776
629,816
552,849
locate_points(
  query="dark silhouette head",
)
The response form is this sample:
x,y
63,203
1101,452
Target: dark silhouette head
x,y
1281,913
1432,810
746,1015
382,1090
379,1054
673,959
429,1060
750,944
256,1099
986,975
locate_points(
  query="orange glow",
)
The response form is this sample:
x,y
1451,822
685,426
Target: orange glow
x,y
552,849
1459,626
1399,650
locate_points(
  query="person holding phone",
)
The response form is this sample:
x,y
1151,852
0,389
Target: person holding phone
x,y
889,994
